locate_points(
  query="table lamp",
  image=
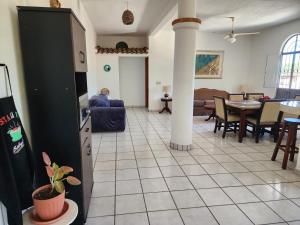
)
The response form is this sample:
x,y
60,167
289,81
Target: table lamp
x,y
165,89
243,88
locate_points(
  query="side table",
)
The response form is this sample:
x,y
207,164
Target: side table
x,y
66,219
213,114
166,107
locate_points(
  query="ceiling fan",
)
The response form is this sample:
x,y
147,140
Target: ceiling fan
x,y
231,37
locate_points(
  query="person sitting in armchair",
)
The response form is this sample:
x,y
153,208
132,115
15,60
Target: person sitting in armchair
x,y
107,114
104,91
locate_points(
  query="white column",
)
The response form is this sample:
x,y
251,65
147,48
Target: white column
x,y
185,27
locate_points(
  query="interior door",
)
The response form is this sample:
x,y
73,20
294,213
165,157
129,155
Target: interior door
x,y
132,81
147,82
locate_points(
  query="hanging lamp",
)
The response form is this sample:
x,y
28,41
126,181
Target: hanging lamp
x,y
127,17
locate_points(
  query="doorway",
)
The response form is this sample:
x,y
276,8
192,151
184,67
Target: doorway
x,y
132,81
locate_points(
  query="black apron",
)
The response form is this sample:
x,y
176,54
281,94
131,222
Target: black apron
x,y
16,161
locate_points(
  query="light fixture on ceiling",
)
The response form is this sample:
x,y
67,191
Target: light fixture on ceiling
x,y
231,37
127,17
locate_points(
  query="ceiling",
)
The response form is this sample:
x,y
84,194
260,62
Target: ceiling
x,y
106,15
251,15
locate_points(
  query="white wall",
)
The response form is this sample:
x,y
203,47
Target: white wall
x,y
236,61
132,41
269,42
91,42
161,60
10,52
109,79
132,80
244,61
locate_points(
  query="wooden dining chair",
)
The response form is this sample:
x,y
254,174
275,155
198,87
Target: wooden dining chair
x,y
236,97
254,96
223,119
267,117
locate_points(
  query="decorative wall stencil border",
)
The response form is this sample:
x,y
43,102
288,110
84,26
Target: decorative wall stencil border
x,y
101,50
180,147
186,20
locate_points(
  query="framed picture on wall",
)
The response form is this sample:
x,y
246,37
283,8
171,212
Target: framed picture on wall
x,y
209,64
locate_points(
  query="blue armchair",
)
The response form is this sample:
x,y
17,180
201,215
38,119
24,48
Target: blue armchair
x,y
107,115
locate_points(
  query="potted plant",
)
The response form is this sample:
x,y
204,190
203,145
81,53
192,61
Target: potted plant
x,y
49,199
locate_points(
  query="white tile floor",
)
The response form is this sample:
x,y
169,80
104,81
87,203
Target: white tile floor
x,y
140,181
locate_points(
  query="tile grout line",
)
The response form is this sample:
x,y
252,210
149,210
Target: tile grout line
x,y
139,176
236,204
206,206
248,190
210,140
169,191
115,197
223,192
193,184
264,202
94,163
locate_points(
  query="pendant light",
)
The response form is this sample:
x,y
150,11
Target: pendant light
x,y
127,17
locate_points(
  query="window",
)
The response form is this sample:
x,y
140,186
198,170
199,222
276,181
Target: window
x,y
290,64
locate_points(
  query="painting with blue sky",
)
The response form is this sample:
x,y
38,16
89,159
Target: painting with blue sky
x,y
209,64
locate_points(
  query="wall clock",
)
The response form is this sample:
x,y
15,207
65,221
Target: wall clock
x,y
107,68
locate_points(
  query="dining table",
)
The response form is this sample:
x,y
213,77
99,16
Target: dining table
x,y
290,107
244,108
248,107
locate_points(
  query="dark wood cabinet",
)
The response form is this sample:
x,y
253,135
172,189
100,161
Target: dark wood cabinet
x,y
87,165
79,46
55,66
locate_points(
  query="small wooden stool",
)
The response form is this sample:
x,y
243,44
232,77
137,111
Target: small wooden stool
x,y
291,125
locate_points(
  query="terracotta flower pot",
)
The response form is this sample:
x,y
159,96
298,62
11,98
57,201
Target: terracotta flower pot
x,y
48,209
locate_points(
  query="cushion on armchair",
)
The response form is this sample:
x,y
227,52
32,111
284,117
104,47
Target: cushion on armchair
x,y
116,103
209,102
199,103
